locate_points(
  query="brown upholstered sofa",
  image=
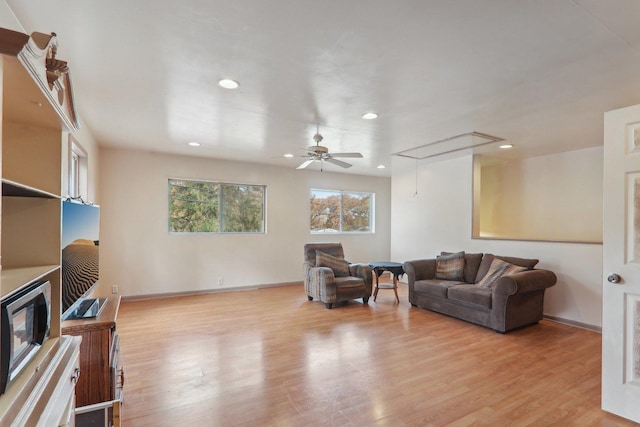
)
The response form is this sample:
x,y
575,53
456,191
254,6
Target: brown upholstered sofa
x,y
479,293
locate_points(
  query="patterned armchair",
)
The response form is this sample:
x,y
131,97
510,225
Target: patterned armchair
x,y
330,278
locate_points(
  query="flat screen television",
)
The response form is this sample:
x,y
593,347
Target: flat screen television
x,y
80,259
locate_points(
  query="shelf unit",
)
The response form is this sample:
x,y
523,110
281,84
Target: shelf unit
x,y
36,109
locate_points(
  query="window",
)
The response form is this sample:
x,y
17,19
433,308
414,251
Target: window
x,y
78,171
341,211
215,207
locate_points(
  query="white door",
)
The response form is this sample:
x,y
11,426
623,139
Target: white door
x,y
621,264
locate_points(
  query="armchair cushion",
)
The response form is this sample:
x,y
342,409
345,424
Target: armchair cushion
x,y
339,266
497,269
450,267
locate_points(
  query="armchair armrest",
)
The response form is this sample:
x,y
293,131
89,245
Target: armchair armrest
x,y
420,269
526,281
320,283
364,272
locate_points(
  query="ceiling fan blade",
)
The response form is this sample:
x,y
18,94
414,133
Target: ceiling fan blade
x,y
353,155
305,164
338,162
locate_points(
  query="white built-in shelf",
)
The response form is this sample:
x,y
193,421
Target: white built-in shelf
x,y
15,189
12,279
21,386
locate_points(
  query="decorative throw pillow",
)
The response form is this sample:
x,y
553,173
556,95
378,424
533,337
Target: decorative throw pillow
x,y
450,267
339,266
497,269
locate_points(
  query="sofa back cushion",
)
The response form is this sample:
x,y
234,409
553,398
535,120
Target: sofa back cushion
x,y
497,269
450,267
488,258
471,265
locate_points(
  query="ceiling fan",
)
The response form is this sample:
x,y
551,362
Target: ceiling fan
x,y
319,153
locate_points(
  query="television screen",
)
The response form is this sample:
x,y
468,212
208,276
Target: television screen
x,y
80,250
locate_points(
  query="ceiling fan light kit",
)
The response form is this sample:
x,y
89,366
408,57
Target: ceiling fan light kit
x,y
319,153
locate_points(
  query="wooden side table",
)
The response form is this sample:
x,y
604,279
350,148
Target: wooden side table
x,y
395,268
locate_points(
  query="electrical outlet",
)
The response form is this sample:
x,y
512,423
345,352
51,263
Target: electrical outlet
x,y
220,281
114,289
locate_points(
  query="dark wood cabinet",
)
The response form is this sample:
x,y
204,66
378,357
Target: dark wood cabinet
x,y
101,373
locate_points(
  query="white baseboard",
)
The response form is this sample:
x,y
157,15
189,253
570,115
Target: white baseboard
x,y
207,291
574,323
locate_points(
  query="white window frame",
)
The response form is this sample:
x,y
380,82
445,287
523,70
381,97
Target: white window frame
x,y
220,207
372,204
78,171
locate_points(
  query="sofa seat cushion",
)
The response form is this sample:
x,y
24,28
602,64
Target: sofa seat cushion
x,y
349,282
472,294
434,287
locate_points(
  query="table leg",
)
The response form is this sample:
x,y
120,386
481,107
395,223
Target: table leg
x,y
395,287
375,292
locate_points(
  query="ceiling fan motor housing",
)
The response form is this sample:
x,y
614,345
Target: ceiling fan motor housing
x,y
318,149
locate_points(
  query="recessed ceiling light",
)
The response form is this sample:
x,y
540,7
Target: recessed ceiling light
x,y
194,144
506,146
370,116
381,167
228,84
288,155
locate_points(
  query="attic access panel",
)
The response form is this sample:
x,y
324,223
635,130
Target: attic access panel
x,y
449,145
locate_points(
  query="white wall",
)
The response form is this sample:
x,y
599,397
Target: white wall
x,y
7,19
139,255
439,218
553,197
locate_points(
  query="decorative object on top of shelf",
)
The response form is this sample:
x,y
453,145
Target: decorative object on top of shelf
x,y
37,54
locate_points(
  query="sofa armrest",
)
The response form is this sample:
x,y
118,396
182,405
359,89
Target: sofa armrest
x,y
420,269
526,281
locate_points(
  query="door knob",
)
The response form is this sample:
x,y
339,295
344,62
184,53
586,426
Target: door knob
x,y
614,278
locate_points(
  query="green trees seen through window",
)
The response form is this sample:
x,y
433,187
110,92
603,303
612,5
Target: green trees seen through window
x,y
213,207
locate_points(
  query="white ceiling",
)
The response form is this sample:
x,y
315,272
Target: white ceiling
x,y
538,73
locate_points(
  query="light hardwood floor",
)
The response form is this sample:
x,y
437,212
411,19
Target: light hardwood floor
x,y
269,357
